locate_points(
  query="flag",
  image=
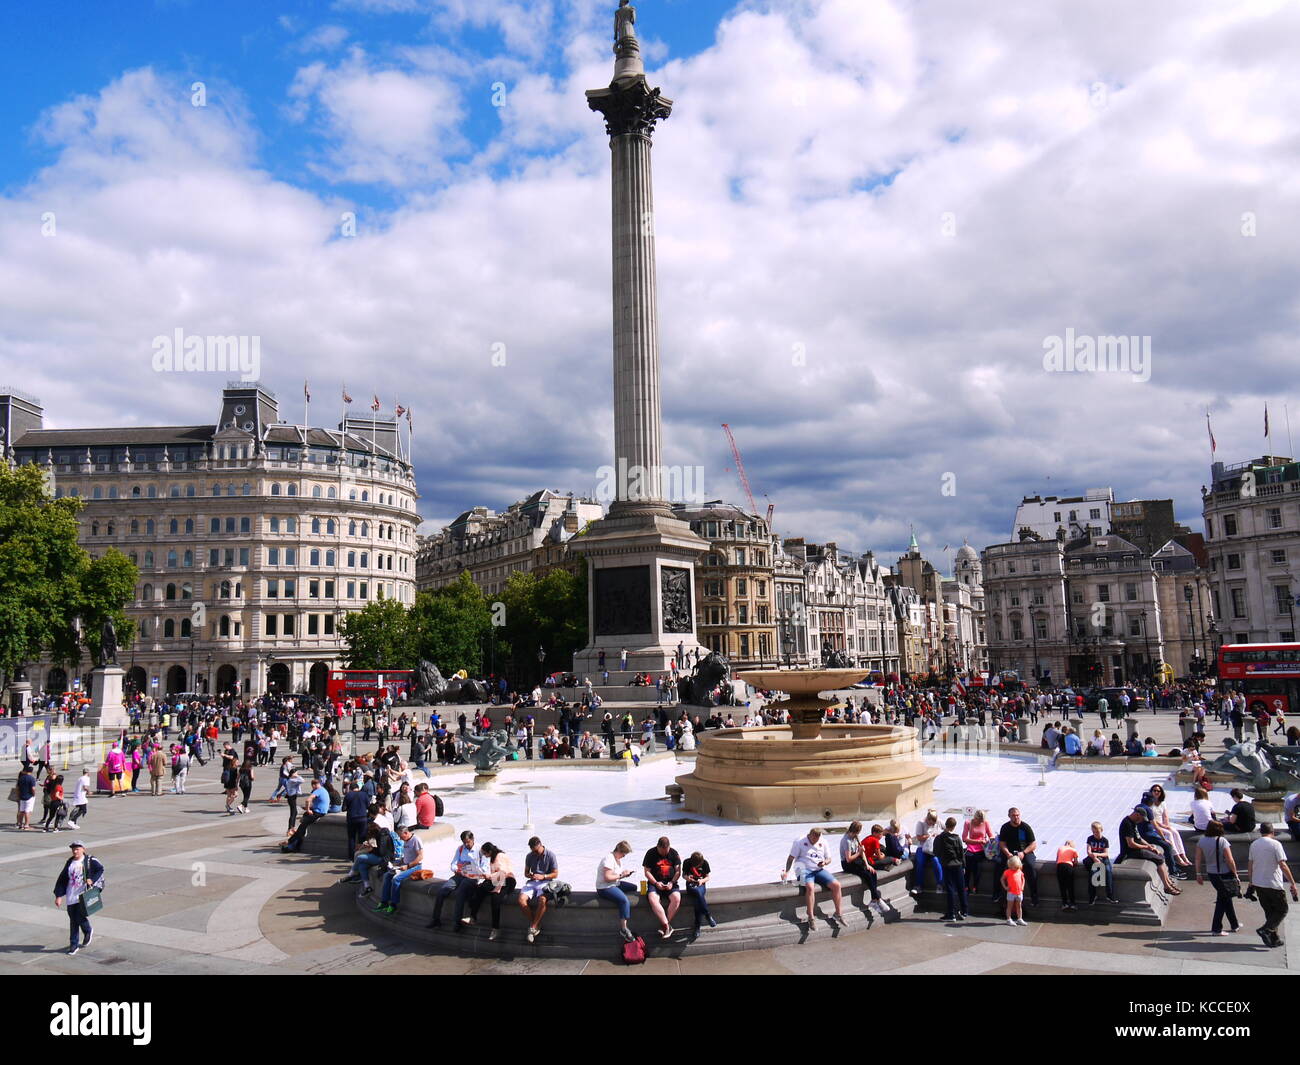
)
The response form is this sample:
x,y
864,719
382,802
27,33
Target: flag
x,y
376,405
408,419
399,410
306,392
346,397
1213,445
961,688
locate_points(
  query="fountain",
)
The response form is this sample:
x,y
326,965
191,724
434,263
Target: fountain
x,y
808,770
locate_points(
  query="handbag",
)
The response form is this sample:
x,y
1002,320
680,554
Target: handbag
x,y
991,848
90,898
13,794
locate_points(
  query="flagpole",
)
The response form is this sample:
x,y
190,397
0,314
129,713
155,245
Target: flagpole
x,y
1289,446
1269,434
306,405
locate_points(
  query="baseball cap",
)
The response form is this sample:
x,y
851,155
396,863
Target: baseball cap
x,y
1140,809
75,843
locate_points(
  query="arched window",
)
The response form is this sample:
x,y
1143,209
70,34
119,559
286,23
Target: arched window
x,y
148,527
185,627
352,558
189,526
170,592
365,496
189,490
94,528
315,525
352,528
187,591
245,525
174,527
169,628
171,559
365,528
352,493
225,624
315,491
110,529
216,489
175,492
135,491
365,559
230,488
187,559
135,525
329,526
329,558
230,525
246,489
293,489
146,593
148,560
225,589
315,557
275,489
145,627
331,494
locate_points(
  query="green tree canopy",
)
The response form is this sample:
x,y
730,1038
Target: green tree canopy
x,y
379,637
547,612
47,579
449,627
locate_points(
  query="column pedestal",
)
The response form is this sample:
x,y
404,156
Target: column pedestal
x,y
105,709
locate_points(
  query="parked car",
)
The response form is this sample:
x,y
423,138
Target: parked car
x,y
1112,698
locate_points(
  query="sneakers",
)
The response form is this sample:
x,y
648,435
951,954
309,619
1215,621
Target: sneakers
x,y
367,890
532,934
1011,922
352,878
467,921
712,922
492,936
879,906
89,937
962,916
627,935
1022,922
73,949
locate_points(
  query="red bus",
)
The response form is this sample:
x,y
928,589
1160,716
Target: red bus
x,y
1267,673
360,684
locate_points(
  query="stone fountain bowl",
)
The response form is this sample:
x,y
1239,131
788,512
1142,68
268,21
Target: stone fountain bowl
x,y
802,683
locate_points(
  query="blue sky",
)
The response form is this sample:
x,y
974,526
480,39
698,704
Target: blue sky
x,y
871,216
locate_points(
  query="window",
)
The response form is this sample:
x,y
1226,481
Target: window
x,y
147,593
169,628
1283,594
740,556
170,592
352,528
275,525
329,526
290,587
189,526
290,556
174,527
1273,517
148,560
225,625
1094,514
1131,592
288,624
245,525
290,524
365,559
1238,602
1056,516
229,556
1230,525
187,559
187,591
742,613
214,556
273,556
275,489
363,589
315,526
292,490
760,589
329,589
329,624
329,559
1038,598
214,525
352,559
135,526
1011,567
273,589
352,589
315,491
1017,633
313,589
270,625
314,557
1234,562
1103,593
1278,557
1135,626
313,624
1035,566
742,586
171,559
243,556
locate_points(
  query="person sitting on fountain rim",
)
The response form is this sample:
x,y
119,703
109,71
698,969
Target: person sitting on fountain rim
x,y
540,867
662,867
810,855
466,872
853,860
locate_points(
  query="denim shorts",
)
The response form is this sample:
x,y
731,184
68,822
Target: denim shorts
x,y
821,877
1014,898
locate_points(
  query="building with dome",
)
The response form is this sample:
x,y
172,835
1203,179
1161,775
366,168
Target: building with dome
x,y
253,537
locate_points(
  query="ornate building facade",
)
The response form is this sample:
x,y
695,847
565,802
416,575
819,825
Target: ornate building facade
x,y
253,537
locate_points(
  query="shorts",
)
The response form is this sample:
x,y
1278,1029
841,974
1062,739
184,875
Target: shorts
x,y
532,889
1014,898
664,896
821,877
25,806
1146,856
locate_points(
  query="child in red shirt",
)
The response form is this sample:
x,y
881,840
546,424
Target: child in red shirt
x,y
1013,882
1067,858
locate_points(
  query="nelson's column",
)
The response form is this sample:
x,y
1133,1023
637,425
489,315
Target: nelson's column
x,y
640,559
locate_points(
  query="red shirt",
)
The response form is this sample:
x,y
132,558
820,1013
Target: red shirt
x,y
425,810
871,849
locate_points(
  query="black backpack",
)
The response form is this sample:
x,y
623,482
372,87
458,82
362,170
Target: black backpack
x,y
437,805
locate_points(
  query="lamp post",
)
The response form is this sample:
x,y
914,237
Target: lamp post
x,y
1216,641
268,660
1146,640
207,677
1033,632
1191,615
193,637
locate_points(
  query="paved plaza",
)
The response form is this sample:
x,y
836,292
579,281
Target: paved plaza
x,y
191,890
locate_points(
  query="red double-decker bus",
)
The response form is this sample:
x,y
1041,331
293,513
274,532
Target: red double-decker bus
x,y
1267,673
360,684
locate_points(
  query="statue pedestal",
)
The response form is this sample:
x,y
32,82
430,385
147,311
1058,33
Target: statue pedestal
x,y
485,780
20,698
105,709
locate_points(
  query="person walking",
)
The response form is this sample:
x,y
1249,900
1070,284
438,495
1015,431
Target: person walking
x,y
1267,866
80,873
1214,856
26,794
55,808
247,774
180,770
80,798
157,769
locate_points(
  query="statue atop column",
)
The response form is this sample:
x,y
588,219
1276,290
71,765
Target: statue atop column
x,y
107,644
625,28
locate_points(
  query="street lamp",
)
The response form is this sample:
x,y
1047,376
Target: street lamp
x,y
1146,640
268,660
1033,632
207,677
193,637
1191,616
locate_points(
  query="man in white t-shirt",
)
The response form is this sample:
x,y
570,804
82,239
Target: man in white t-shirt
x,y
1267,867
811,856
80,799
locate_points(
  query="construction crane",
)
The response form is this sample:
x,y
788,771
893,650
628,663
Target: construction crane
x,y
740,470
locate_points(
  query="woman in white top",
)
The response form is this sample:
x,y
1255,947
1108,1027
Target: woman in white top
x,y
1202,810
1165,828
1097,744
610,886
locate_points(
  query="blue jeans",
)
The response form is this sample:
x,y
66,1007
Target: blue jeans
x,y
393,885
617,894
919,862
954,886
462,887
356,833
364,863
78,921
698,894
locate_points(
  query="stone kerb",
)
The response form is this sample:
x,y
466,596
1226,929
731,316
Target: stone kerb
x,y
753,917
328,837
1240,843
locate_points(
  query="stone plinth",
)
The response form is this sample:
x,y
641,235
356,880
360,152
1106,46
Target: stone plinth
x,y
105,709
767,776
485,780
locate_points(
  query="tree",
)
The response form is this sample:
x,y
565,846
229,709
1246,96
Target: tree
x,y
47,579
449,626
379,637
547,612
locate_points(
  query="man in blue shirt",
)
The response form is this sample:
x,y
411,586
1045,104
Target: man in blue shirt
x,y
356,805
467,872
318,806
540,867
